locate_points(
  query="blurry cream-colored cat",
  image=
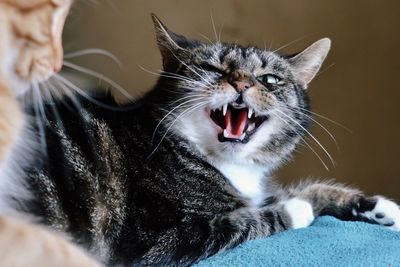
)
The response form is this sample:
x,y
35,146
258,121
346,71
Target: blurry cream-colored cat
x,y
30,52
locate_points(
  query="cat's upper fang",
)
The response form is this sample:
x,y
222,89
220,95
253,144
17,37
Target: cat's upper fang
x,y
250,112
224,109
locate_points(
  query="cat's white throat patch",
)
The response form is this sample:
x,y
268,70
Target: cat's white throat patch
x,y
247,179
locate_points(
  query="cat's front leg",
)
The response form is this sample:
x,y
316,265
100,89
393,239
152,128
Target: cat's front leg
x,y
300,212
200,237
347,204
230,229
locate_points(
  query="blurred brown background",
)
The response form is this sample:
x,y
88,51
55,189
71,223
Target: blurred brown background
x,y
358,85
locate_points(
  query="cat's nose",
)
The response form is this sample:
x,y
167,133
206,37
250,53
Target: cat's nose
x,y
241,80
241,86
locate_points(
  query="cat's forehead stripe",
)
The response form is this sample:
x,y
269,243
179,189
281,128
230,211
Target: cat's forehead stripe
x,y
235,56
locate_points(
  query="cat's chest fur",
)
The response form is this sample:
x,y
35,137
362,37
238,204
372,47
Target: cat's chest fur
x,y
249,180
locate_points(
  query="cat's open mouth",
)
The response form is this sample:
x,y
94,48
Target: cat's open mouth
x,y
238,122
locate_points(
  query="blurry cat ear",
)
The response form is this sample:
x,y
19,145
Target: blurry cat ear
x,y
171,45
307,63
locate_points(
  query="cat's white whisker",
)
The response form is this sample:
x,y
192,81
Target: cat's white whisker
x,y
69,93
100,76
220,32
312,136
173,76
195,90
270,45
205,72
306,143
320,125
95,51
52,104
323,117
284,46
205,37
316,154
289,44
69,84
59,93
324,70
185,97
214,28
52,91
41,105
265,44
189,68
183,77
171,111
174,121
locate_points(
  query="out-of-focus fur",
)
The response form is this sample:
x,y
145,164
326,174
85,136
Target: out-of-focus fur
x,y
24,245
30,52
11,119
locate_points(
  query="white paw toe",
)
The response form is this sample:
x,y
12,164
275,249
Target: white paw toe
x,y
386,213
300,211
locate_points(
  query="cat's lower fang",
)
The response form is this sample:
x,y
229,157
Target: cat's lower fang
x,y
251,127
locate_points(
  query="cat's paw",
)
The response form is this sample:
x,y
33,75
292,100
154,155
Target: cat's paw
x,y
385,212
300,212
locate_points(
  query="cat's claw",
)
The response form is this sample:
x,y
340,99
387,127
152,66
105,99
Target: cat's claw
x,y
300,211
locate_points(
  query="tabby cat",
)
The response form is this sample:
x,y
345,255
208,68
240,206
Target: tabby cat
x,y
184,172
30,52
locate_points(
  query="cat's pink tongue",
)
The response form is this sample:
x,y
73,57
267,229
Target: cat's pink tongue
x,y
235,122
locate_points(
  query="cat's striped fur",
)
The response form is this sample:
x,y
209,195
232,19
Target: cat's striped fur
x,y
143,184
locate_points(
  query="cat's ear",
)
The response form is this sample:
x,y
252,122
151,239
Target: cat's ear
x,y
171,45
307,63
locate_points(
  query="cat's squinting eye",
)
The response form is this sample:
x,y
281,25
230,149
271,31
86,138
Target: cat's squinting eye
x,y
211,68
270,79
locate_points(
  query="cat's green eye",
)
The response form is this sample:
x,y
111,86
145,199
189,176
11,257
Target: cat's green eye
x,y
270,79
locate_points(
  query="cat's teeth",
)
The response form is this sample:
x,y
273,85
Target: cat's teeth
x,y
251,127
250,113
226,133
242,136
224,109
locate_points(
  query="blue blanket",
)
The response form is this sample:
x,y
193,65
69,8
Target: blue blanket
x,y
327,242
